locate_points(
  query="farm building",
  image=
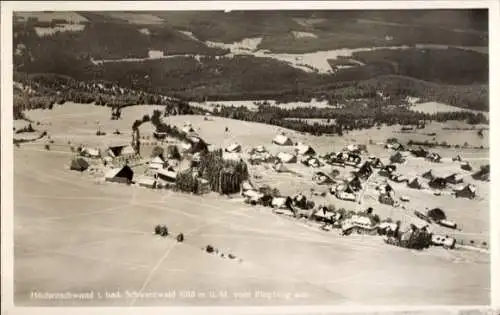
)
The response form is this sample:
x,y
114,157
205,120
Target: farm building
x,y
187,128
157,163
259,149
395,146
429,175
415,183
434,157
167,175
195,145
483,174
233,148
79,164
231,156
120,150
454,179
352,148
287,157
466,166
91,152
398,178
420,152
438,183
147,182
436,214
344,192
282,140
467,191
397,158
304,149
386,199
173,153
120,175
321,178
311,161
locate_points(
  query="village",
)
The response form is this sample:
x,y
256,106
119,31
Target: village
x,y
376,196
345,192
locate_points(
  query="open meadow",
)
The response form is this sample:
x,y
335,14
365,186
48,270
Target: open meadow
x,y
75,233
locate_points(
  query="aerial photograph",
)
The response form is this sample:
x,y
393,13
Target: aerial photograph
x,y
251,158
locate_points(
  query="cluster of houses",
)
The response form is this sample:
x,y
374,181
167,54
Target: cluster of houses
x,y
161,172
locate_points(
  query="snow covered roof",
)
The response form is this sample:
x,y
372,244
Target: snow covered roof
x,y
233,156
281,139
112,172
286,157
235,147
167,173
303,148
157,160
91,151
352,147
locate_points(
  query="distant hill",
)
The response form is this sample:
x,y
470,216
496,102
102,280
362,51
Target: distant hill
x,y
186,53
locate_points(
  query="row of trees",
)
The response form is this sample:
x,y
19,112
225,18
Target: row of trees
x,y
345,119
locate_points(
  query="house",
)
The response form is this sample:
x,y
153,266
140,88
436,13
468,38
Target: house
x,y
247,186
398,178
437,183
311,161
167,175
344,192
322,178
304,149
197,145
395,146
483,174
120,150
429,175
386,199
454,179
436,214
157,163
434,157
233,148
420,152
187,128
120,175
79,164
231,156
467,191
147,182
414,183
90,152
287,157
397,158
466,166
259,149
352,148
282,140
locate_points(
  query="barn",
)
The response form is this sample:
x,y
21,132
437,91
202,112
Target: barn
x,y
120,175
282,140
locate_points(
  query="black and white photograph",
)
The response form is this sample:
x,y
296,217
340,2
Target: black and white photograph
x,y
248,157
